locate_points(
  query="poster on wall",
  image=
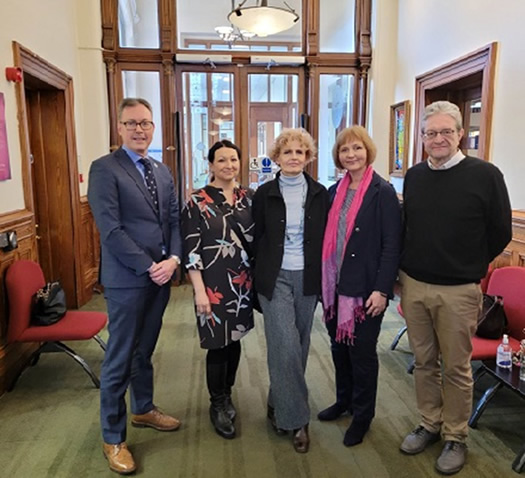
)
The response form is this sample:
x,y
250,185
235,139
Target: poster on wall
x,y
5,169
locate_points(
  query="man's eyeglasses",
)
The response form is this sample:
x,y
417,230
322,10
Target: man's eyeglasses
x,y
131,125
446,133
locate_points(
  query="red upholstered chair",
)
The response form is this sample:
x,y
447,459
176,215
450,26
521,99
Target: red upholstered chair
x,y
482,348
509,283
23,279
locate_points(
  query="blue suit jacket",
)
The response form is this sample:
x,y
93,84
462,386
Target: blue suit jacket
x,y
132,235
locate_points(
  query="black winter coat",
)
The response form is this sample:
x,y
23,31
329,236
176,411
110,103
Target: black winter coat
x,y
269,214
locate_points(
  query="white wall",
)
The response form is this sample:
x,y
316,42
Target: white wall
x,y
382,77
67,34
431,33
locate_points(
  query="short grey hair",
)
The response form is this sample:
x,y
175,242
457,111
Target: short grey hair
x,y
130,102
445,108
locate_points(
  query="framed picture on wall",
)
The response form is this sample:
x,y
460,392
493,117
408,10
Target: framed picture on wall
x,y
399,138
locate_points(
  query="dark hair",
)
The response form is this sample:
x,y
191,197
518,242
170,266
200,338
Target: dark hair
x,y
225,143
130,102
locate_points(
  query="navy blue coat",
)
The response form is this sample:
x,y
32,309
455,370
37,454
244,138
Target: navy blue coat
x,y
372,254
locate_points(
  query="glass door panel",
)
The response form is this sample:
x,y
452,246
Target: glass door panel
x,y
208,116
272,106
335,114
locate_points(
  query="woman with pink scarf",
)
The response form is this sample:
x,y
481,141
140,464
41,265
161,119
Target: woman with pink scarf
x,y
360,260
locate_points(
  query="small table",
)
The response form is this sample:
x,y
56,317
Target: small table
x,y
511,379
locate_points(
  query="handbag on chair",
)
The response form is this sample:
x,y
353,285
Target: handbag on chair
x,y
49,304
492,322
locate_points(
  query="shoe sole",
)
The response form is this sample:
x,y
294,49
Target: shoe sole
x,y
147,425
449,472
226,435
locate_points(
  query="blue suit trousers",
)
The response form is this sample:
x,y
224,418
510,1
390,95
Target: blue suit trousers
x,y
135,319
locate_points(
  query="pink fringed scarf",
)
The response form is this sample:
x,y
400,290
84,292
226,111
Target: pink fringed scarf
x,y
349,309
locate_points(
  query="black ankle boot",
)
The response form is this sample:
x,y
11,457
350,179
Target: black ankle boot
x,y
221,421
231,411
356,432
216,380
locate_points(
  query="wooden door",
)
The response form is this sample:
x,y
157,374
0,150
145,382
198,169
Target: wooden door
x,y
51,189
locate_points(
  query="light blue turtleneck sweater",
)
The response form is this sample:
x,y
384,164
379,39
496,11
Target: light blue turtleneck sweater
x,y
293,190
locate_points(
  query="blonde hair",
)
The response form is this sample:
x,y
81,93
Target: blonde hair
x,y
294,134
354,133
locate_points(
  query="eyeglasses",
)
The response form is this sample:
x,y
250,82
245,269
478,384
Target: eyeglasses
x,y
446,133
131,125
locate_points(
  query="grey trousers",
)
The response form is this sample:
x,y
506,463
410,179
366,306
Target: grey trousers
x,y
288,321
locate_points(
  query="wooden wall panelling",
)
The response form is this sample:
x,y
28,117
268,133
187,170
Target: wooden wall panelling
x,y
514,254
90,251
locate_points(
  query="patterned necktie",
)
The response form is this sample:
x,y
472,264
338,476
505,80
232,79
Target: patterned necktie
x,y
151,184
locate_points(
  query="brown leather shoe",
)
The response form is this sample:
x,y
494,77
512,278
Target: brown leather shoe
x,y
119,458
156,419
301,440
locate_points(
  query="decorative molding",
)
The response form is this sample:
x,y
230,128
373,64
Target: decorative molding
x,y
109,16
480,61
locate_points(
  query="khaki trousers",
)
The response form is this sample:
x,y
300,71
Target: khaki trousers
x,y
441,321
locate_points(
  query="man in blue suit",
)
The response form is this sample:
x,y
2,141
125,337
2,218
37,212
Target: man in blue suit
x,y
134,203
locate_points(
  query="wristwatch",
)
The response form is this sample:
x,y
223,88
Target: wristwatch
x,y
176,259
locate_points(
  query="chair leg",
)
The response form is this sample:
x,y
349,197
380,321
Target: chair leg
x,y
482,404
400,333
411,367
478,373
518,465
31,361
100,342
64,348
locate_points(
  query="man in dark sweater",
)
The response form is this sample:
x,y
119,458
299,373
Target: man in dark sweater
x,y
457,220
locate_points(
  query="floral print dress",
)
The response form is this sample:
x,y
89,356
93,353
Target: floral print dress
x,y
211,246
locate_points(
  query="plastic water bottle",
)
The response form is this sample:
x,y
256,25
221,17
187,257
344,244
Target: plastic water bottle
x,y
522,360
504,356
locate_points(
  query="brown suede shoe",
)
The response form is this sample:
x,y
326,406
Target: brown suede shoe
x,y
301,440
156,419
119,458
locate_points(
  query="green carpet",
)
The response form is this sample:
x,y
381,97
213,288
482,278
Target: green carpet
x,y
49,423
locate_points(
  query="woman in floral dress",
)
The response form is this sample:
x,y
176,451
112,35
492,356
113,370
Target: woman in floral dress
x,y
219,269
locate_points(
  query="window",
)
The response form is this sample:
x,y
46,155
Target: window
x,y
138,23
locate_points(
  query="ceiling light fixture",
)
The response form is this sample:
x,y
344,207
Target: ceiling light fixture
x,y
229,35
262,19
